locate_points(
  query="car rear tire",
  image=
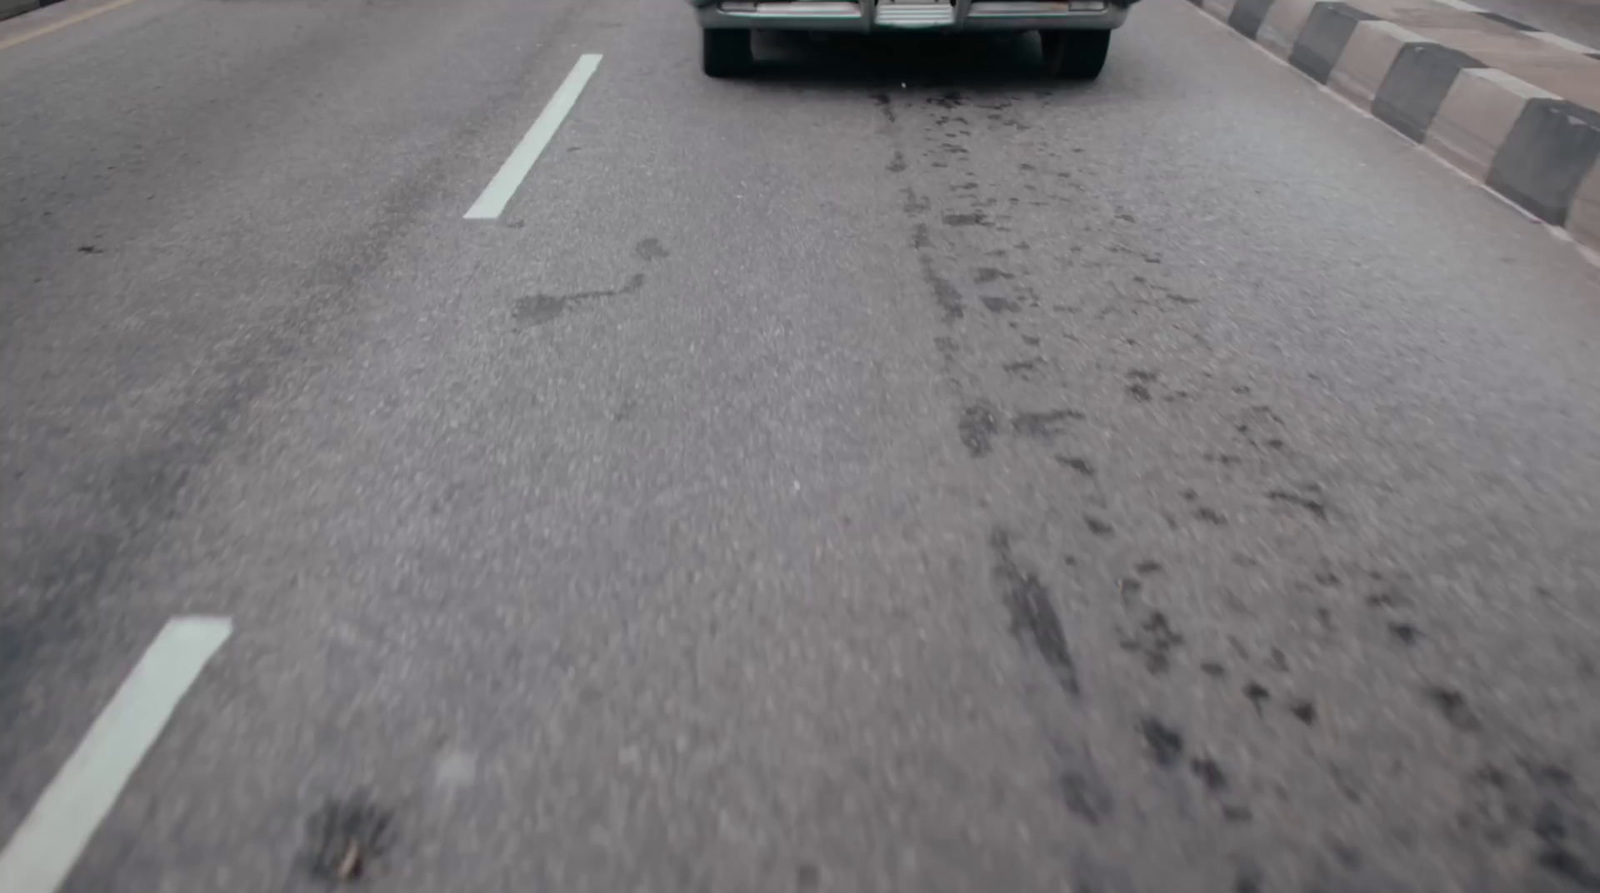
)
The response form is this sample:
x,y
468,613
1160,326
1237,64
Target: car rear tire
x,y
725,53
1075,55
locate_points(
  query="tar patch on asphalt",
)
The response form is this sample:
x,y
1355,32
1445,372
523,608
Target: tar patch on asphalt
x,y
1033,614
345,839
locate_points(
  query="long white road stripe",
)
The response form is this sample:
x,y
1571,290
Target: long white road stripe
x,y
515,170
52,837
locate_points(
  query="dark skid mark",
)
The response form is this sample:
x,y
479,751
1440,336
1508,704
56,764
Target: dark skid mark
x,y
1164,742
1086,797
1263,411
1305,711
1022,368
976,218
1560,861
1099,527
1247,880
537,310
1548,775
989,274
1555,831
1278,661
1453,707
978,427
885,106
1210,516
1257,693
897,163
944,294
345,837
1139,392
1155,640
1346,782
1314,506
1043,425
1001,305
1033,615
1388,598
1405,633
1325,619
1077,463
914,204
650,250
1209,773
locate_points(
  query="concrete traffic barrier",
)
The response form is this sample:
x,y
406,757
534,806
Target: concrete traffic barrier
x,y
1545,158
1583,221
1367,58
1477,115
1507,125
1416,84
1282,24
1324,37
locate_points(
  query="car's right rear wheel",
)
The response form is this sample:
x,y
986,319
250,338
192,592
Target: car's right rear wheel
x,y
725,53
1075,55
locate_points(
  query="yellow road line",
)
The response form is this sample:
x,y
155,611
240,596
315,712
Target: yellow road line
x,y
10,42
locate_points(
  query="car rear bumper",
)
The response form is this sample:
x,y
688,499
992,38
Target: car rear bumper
x,y
870,15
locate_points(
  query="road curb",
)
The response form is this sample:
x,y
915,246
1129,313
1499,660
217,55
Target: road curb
x,y
1538,150
13,8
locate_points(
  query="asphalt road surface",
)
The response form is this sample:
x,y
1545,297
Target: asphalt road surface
x,y
898,472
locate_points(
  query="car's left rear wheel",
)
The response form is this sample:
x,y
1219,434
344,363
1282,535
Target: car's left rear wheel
x,y
725,53
1075,55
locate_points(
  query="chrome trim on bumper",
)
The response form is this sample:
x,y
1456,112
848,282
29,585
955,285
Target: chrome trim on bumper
x,y
870,15
800,10
915,15
1011,9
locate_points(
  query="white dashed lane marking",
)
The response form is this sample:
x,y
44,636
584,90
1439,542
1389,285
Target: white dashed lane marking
x,y
515,170
54,834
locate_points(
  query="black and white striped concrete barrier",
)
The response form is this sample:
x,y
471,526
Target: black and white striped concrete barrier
x,y
1528,143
